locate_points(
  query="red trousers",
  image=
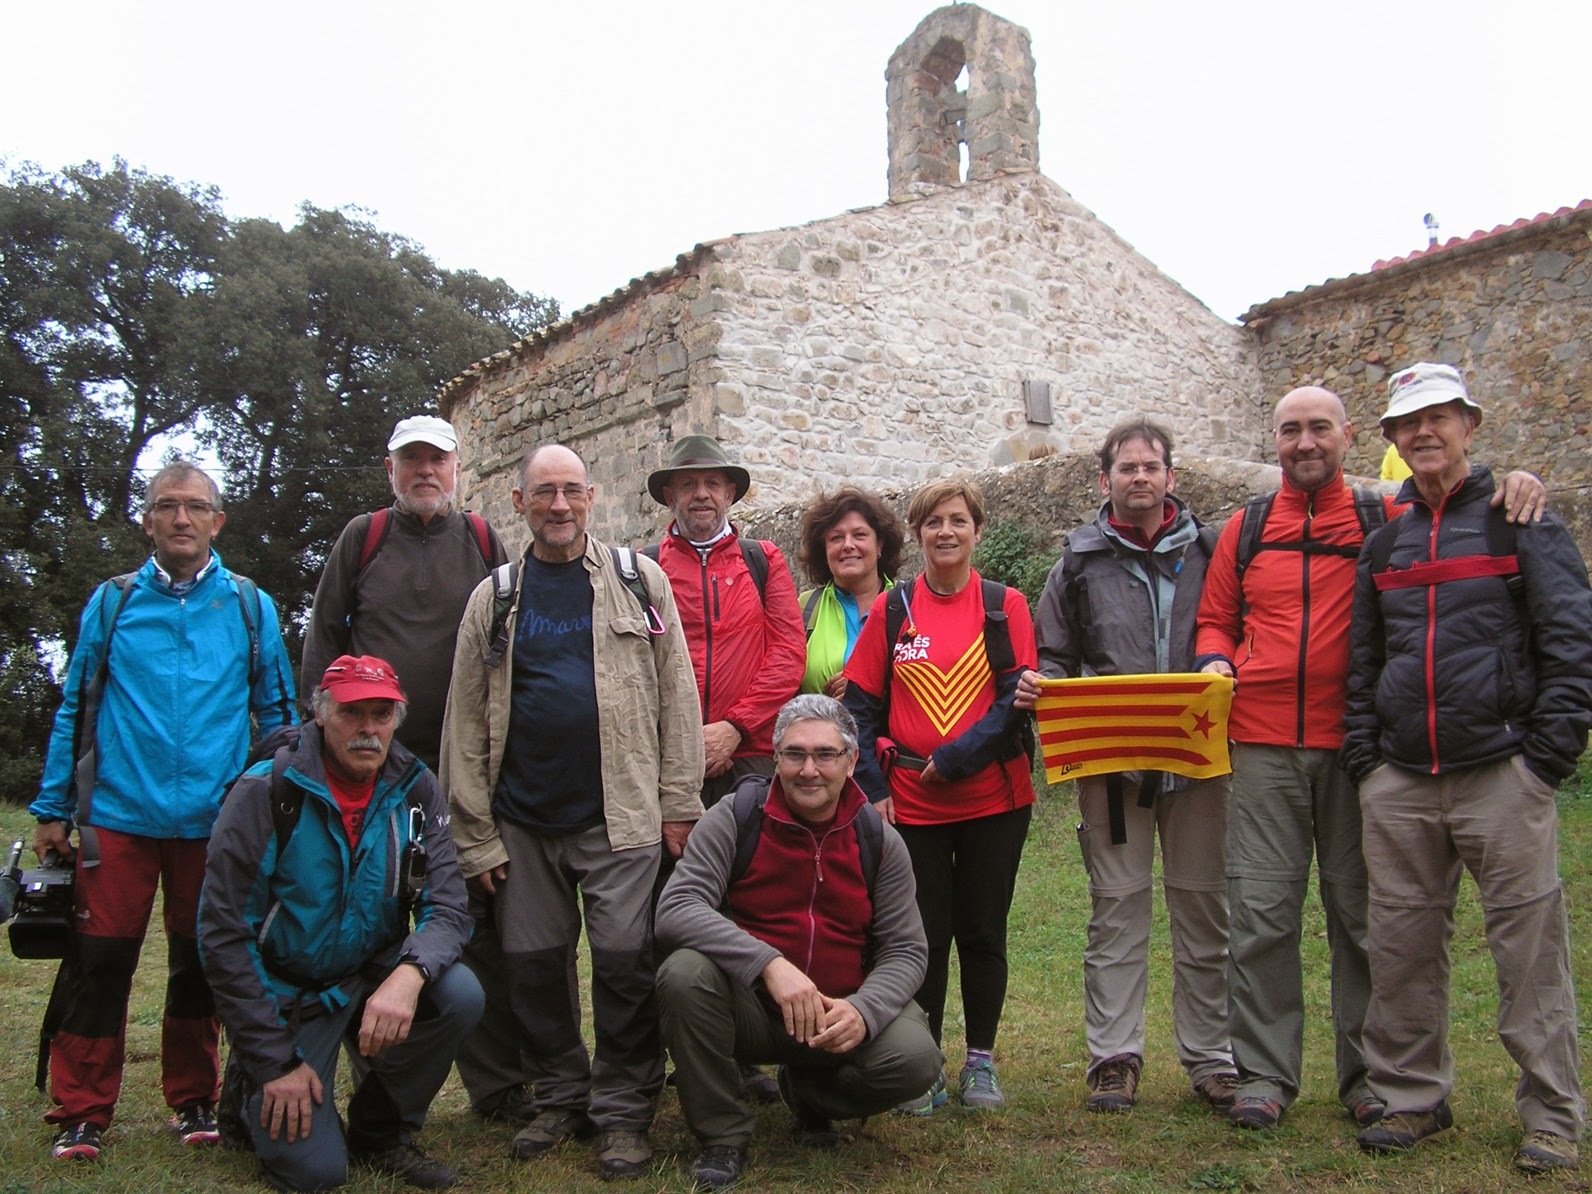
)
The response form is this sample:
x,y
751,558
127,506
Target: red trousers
x,y
114,902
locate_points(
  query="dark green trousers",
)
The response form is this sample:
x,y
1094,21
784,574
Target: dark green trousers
x,y
712,1024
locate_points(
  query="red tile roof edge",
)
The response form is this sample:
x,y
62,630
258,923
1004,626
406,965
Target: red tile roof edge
x,y
1418,256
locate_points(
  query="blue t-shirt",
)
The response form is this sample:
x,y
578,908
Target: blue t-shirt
x,y
551,779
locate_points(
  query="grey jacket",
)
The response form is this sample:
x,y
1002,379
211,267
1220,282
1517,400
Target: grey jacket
x,y
1111,608
691,916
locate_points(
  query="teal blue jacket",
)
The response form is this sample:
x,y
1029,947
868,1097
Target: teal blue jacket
x,y
281,934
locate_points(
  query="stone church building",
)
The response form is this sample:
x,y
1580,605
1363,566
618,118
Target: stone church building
x,y
981,317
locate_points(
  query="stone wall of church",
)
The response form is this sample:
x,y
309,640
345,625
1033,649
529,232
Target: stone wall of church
x,y
618,387
894,344
1513,313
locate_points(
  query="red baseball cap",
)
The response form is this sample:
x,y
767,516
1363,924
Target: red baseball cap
x,y
361,678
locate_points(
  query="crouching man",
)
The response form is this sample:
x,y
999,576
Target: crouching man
x,y
317,863
794,924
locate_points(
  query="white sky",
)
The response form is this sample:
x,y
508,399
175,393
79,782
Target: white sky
x,y
1247,150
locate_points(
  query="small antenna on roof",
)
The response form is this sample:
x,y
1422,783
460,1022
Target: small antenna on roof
x,y
1431,230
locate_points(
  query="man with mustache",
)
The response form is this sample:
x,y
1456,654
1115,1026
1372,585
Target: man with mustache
x,y
306,939
394,587
748,645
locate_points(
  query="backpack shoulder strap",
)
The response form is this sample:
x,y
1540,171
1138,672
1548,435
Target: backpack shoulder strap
x,y
895,620
375,535
755,553
505,577
1369,508
625,565
253,611
483,535
91,689
810,609
1250,530
870,843
287,799
1503,542
749,796
997,632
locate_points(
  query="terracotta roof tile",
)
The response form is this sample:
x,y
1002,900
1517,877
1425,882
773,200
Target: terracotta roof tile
x,y
1412,260
1452,242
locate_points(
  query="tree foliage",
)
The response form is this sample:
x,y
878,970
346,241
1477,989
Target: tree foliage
x,y
134,311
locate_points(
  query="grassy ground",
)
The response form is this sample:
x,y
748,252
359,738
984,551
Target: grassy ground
x,y
1043,1141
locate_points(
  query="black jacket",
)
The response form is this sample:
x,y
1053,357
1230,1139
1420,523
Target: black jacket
x,y
1464,671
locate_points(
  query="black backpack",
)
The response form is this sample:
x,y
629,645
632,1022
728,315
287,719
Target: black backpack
x,y
997,649
1369,506
505,585
750,795
753,551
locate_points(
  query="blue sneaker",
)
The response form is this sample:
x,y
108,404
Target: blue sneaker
x,y
926,1102
978,1087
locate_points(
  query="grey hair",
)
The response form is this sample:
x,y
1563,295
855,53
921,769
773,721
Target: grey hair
x,y
815,706
321,703
181,470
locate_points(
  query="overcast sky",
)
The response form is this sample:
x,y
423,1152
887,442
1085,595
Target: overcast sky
x,y
1247,150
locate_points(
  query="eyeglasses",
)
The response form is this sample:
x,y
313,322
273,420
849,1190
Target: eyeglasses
x,y
543,495
824,756
168,509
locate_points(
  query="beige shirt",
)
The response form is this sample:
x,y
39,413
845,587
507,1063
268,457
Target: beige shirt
x,y
649,717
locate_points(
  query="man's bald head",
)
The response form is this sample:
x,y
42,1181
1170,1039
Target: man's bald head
x,y
554,496
546,453
1312,433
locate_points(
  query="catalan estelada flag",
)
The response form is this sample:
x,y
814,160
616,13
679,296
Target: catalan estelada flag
x,y
1175,722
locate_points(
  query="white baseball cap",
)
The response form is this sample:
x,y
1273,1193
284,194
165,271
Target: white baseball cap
x,y
424,429
1422,385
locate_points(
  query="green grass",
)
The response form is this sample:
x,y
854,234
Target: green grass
x,y
1043,1141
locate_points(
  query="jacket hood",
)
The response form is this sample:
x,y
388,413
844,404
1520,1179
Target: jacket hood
x,y
1183,531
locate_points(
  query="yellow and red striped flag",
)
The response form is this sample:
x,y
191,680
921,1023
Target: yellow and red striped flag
x,y
1175,722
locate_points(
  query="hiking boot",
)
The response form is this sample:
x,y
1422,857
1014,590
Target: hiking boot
x,y
511,1106
758,1087
1256,1112
1115,1085
624,1152
1401,1131
77,1142
196,1124
548,1130
813,1128
926,1102
719,1166
1543,1152
409,1165
978,1087
1366,1110
1220,1089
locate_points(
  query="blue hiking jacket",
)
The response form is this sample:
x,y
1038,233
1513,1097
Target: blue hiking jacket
x,y
174,722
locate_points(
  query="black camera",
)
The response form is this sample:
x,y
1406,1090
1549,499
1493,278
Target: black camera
x,y
38,902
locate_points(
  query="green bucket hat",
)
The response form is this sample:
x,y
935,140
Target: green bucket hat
x,y
697,452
